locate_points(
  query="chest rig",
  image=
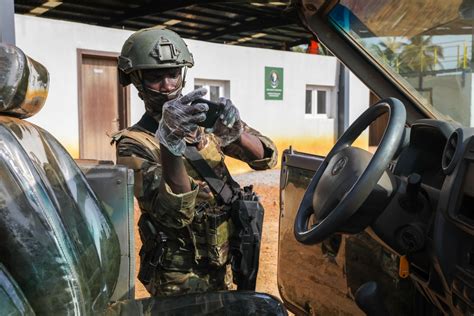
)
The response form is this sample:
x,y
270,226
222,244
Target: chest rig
x,y
201,245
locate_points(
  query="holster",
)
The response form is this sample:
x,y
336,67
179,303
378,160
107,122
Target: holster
x,y
247,216
153,248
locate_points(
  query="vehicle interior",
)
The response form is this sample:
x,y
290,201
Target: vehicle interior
x,y
388,232
384,232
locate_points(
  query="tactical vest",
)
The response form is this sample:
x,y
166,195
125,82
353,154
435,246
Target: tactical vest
x,y
202,244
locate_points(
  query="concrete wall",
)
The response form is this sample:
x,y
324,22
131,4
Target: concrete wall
x,y
452,94
358,101
55,43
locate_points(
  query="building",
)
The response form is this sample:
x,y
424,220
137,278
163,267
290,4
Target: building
x,y
301,108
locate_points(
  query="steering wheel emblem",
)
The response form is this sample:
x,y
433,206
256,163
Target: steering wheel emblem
x,y
339,165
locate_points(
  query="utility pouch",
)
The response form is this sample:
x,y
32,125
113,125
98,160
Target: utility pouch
x,y
218,231
153,248
247,215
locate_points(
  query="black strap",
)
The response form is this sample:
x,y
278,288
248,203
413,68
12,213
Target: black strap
x,y
219,187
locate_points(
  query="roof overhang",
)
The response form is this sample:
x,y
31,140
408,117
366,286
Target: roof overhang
x,y
255,23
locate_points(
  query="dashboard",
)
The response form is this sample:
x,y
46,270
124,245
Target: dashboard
x,y
434,230
424,153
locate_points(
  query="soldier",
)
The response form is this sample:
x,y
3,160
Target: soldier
x,y
180,252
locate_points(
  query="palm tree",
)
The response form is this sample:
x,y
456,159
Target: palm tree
x,y
420,55
388,50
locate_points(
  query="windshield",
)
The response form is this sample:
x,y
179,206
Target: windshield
x,y
424,45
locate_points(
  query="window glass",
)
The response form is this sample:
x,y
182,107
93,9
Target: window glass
x,y
309,102
430,57
317,101
214,93
215,88
321,102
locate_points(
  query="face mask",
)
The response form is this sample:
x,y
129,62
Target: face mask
x,y
154,100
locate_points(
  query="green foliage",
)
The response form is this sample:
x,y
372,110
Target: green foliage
x,y
419,55
299,48
388,51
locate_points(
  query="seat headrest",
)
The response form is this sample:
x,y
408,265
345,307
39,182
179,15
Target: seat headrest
x,y
23,83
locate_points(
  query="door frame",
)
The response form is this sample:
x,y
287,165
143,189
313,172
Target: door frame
x,y
123,93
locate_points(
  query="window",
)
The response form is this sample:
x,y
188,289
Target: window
x,y
309,102
215,88
317,102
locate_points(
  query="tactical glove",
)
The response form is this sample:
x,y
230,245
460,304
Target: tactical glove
x,y
229,126
180,119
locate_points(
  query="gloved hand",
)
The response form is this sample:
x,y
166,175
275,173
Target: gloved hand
x,y
180,119
228,126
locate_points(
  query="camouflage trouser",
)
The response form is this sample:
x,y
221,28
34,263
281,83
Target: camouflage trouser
x,y
174,283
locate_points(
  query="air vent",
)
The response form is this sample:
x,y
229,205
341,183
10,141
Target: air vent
x,y
451,151
392,165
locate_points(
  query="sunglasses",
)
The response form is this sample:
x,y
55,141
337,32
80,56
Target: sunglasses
x,y
155,76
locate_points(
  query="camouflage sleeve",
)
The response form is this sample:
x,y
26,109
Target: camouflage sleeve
x,y
153,195
176,210
270,151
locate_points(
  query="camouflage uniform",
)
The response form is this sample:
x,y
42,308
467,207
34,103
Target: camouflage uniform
x,y
187,266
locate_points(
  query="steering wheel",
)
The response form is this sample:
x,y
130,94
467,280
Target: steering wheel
x,y
348,175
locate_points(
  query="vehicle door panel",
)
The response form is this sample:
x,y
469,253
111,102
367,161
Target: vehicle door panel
x,y
311,278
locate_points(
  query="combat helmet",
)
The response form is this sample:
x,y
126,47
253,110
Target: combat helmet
x,y
152,48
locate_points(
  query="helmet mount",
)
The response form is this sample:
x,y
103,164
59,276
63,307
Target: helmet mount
x,y
152,48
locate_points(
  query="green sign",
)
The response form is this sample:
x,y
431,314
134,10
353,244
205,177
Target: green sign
x,y
273,83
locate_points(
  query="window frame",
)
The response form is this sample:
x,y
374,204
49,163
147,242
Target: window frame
x,y
314,102
223,86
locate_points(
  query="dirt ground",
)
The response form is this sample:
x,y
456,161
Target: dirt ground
x,y
267,277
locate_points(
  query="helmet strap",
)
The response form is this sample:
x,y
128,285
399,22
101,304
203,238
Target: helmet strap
x,y
185,70
136,79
